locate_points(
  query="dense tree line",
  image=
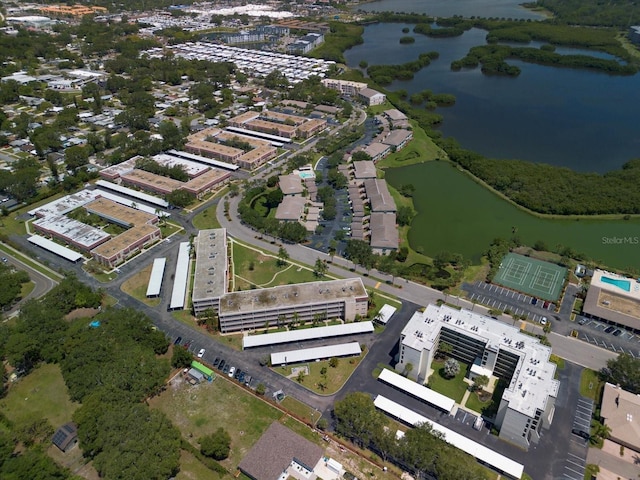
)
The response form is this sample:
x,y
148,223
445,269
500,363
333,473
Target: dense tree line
x,y
11,282
624,370
341,37
111,369
614,13
421,450
385,74
554,190
441,32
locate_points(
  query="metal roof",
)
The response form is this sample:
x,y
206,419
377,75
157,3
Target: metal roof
x,y
145,197
181,277
385,313
315,353
482,453
307,334
201,159
155,282
253,133
54,247
419,391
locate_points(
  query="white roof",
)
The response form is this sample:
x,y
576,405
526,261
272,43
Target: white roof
x,y
385,313
307,334
54,247
316,353
145,197
201,159
157,272
65,204
486,455
252,133
181,277
419,391
130,203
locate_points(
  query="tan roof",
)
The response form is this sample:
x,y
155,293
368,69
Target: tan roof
x,y
122,241
290,184
312,124
151,180
375,149
280,127
396,137
110,209
594,307
291,208
207,179
244,117
621,411
282,117
384,233
379,196
364,169
395,114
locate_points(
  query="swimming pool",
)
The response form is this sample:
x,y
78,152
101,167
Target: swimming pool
x,y
623,284
307,174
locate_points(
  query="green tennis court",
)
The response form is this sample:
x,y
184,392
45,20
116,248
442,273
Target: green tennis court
x,y
527,275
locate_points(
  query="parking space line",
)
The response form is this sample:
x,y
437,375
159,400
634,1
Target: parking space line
x,y
577,456
574,471
579,465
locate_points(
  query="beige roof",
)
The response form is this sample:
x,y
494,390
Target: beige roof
x,y
396,137
244,117
375,149
124,240
291,208
384,233
369,92
395,114
621,411
364,169
152,180
379,196
312,124
290,184
127,215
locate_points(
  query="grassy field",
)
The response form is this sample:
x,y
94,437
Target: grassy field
x,y
469,222
206,219
301,410
168,228
199,410
41,394
136,287
336,377
590,385
453,388
252,267
474,403
421,149
26,289
192,469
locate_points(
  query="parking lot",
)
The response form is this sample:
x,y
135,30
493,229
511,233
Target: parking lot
x,y
574,464
501,298
609,337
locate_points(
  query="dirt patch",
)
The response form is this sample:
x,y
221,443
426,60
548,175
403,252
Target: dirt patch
x,y
81,313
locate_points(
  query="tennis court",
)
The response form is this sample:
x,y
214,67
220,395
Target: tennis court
x,y
527,275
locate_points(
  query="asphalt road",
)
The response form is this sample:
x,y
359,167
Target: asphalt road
x,y
42,283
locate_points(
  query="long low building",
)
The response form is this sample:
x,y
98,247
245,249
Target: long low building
x,y
54,247
316,353
212,269
155,280
414,389
314,301
82,236
484,454
355,328
126,245
179,292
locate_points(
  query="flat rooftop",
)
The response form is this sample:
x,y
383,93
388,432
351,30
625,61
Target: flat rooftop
x,y
80,233
292,295
66,204
152,181
210,177
615,298
120,213
192,169
532,382
210,279
124,240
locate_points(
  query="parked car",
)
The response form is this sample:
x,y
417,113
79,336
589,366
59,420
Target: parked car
x,y
221,364
582,321
247,380
216,362
543,321
201,353
225,370
581,433
241,377
534,301
617,332
177,341
232,371
609,329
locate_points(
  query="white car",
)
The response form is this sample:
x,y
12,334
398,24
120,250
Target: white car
x,y
232,371
543,321
201,353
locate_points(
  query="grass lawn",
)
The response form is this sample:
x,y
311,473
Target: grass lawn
x,y
26,288
206,219
200,410
590,385
192,469
136,287
379,301
336,377
560,364
253,267
41,394
474,403
453,388
167,229
420,149
300,409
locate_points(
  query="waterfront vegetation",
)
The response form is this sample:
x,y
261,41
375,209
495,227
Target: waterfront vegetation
x,y
593,12
341,37
385,74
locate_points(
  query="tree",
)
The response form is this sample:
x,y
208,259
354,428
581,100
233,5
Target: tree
x,y
300,377
357,418
320,268
408,368
283,257
404,215
333,363
217,445
276,79
181,358
601,431
261,389
172,136
180,198
407,190
76,156
451,368
480,382
624,370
